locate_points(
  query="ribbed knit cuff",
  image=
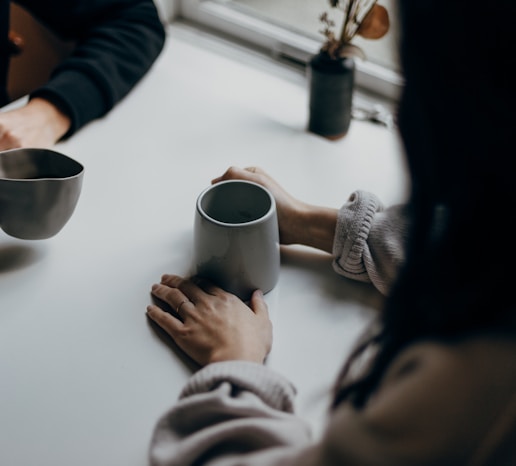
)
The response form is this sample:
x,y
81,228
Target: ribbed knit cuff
x,y
354,222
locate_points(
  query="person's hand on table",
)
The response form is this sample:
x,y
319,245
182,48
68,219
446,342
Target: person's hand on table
x,y
211,325
299,222
37,124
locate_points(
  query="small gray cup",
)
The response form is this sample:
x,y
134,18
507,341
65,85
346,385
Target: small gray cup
x,y
236,237
39,189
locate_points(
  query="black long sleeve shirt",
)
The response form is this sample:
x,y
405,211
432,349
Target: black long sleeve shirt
x,y
117,41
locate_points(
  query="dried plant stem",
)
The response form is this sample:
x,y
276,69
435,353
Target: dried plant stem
x,y
343,38
355,12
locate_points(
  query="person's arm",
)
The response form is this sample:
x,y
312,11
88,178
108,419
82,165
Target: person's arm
x,y
116,44
436,405
369,243
233,405
299,222
237,412
365,239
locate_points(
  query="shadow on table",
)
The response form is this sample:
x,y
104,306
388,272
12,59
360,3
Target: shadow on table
x,y
18,256
316,272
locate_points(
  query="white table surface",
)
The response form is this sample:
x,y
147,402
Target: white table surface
x,y
83,375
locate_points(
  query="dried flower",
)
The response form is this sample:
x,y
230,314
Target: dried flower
x,y
361,17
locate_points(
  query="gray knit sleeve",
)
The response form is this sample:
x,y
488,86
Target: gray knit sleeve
x,y
369,240
272,388
231,413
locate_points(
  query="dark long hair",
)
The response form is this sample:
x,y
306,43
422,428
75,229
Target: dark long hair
x,y
457,121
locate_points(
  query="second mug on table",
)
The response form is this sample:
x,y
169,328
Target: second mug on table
x,y
236,237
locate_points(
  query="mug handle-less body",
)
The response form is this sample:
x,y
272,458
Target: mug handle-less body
x,y
236,237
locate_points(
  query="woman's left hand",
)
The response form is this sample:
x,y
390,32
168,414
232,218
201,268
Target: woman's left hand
x,y
211,325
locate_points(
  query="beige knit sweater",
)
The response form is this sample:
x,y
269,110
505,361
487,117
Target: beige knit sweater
x,y
436,405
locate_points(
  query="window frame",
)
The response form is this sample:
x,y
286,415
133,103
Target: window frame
x,y
282,43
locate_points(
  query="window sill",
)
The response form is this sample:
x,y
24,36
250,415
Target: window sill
x,y
365,102
281,43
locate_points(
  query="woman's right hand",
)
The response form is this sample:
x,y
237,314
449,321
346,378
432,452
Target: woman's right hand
x,y
299,223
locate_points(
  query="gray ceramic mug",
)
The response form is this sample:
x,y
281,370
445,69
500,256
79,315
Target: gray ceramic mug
x,y
39,189
236,237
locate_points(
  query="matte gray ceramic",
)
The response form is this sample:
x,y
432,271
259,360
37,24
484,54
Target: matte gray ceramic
x,y
236,237
39,189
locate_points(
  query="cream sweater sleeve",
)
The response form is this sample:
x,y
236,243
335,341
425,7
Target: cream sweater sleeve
x,y
436,405
369,240
232,412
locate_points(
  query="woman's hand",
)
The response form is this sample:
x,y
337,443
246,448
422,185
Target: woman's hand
x,y
290,210
211,325
299,223
37,124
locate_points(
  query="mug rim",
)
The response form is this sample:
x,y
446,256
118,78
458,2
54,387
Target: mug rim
x,y
264,217
77,172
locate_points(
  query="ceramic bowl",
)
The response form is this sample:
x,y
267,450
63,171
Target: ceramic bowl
x,y
39,189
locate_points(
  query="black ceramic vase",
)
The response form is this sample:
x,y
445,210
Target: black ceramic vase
x,y
331,82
